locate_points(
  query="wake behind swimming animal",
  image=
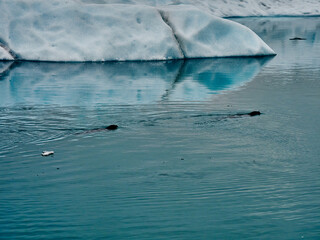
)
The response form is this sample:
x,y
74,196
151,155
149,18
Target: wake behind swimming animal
x,y
110,128
240,115
251,114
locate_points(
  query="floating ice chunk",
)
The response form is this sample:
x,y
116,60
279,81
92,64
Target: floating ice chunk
x,y
74,31
47,153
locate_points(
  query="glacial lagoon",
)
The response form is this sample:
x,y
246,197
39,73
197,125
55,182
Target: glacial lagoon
x,y
180,165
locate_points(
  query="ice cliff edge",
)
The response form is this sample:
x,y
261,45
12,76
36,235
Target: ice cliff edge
x,y
70,31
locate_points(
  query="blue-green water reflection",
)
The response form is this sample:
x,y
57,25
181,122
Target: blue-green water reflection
x,y
179,166
88,84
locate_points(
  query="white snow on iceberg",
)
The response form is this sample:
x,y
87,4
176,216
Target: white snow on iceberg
x,y
74,31
4,54
232,8
202,35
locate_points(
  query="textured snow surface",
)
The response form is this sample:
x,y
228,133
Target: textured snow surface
x,y
76,31
4,54
202,35
229,8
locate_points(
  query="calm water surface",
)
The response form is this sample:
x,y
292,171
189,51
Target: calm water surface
x,y
182,165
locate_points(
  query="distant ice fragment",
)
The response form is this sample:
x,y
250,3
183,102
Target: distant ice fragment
x,y
47,153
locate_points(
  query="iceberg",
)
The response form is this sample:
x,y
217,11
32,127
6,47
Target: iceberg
x,y
75,31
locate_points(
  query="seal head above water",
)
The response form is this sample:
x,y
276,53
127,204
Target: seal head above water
x,y
254,113
297,38
112,127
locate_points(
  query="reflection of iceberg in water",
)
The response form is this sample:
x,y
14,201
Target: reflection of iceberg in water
x,y
86,84
4,68
201,78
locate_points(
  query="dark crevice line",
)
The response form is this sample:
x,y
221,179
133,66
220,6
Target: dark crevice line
x,y
4,45
167,22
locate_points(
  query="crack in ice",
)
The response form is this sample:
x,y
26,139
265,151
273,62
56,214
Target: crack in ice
x,y
8,50
179,42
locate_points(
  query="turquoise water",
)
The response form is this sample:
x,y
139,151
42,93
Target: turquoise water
x,y
182,164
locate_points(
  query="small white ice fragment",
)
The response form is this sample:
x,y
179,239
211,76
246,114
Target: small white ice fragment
x,y
47,153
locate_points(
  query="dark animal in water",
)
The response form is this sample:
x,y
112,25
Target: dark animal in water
x,y
254,113
251,114
297,38
112,127
109,128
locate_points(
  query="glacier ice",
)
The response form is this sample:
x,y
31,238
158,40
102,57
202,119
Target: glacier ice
x,y
4,54
88,33
75,31
232,8
202,35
